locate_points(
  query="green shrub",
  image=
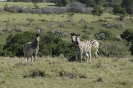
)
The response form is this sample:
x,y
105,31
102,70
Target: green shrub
x,y
14,43
97,10
105,35
113,49
49,45
119,9
54,45
127,35
85,36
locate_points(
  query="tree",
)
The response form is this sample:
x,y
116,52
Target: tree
x,y
35,2
90,3
98,2
119,9
128,5
127,35
62,2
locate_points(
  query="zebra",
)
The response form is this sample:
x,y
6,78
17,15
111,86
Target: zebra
x,y
83,46
95,45
30,49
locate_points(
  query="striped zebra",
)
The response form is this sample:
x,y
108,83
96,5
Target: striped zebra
x,y
30,49
83,46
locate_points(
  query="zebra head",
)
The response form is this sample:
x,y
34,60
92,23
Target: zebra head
x,y
37,36
77,37
73,38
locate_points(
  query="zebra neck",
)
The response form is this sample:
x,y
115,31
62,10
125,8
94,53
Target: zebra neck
x,y
76,47
34,44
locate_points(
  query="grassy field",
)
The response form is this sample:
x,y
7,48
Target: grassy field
x,y
44,20
26,4
54,20
57,72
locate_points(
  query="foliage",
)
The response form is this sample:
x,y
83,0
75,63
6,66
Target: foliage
x,y
85,36
77,7
105,35
37,10
116,25
14,43
119,9
61,2
113,49
35,2
49,45
58,33
53,45
97,10
127,35
129,9
14,8
128,5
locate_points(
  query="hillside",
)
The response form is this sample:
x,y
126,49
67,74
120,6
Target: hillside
x,y
53,22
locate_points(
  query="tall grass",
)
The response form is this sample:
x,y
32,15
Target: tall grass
x,y
50,72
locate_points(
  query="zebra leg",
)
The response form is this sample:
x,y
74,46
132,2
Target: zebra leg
x,y
96,54
31,58
88,56
26,57
81,53
34,57
76,55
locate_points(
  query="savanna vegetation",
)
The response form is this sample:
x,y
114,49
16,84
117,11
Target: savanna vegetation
x,y
108,21
57,72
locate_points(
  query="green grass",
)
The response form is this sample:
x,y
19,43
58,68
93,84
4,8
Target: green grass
x,y
55,19
26,4
57,72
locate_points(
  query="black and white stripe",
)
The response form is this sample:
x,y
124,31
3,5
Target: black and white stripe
x,y
30,49
83,46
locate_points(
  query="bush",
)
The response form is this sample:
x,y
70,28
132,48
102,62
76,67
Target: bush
x,y
127,35
15,8
105,35
113,49
119,9
97,10
61,2
85,36
54,46
50,45
77,7
14,43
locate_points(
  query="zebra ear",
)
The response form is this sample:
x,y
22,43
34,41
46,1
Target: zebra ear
x,y
72,34
78,35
